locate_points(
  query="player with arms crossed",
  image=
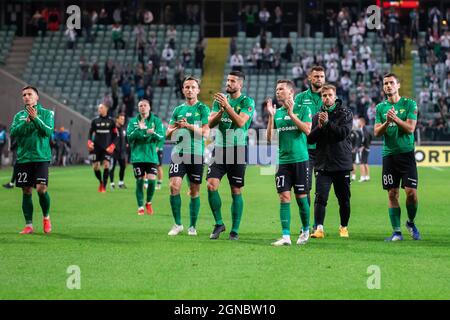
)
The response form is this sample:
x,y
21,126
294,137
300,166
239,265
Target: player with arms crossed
x,y
312,99
395,121
293,123
188,127
32,129
232,114
101,144
143,134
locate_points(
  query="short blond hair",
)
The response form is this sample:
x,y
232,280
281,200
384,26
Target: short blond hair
x,y
328,87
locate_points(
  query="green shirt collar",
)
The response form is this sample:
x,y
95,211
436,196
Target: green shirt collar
x,y
38,106
330,109
150,116
313,95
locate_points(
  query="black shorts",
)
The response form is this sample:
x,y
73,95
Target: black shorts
x,y
160,157
364,156
140,169
400,167
193,169
31,174
230,161
99,155
293,175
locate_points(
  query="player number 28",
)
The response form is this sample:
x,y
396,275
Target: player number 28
x,y
173,168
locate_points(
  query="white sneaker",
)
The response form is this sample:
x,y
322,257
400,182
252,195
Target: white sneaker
x,y
353,177
176,229
192,231
362,179
284,241
303,238
367,178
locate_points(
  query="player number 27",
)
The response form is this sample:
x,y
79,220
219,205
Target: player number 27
x,y
387,179
280,182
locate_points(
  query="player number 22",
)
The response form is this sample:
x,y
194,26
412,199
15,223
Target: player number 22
x,y
22,177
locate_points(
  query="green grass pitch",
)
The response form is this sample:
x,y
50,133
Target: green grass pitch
x,y
125,256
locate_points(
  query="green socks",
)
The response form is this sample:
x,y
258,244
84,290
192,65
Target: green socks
x,y
27,208
140,192
151,190
394,215
175,204
285,218
215,204
44,201
412,211
237,207
194,209
303,204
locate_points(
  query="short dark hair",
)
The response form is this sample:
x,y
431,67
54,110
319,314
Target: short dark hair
x,y
238,74
145,100
391,74
316,68
122,114
191,78
289,83
32,88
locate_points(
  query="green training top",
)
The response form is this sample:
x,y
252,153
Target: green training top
x,y
236,136
396,140
292,147
33,137
197,115
311,99
142,144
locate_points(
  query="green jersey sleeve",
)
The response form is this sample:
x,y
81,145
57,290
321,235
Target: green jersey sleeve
x,y
306,114
133,131
174,118
378,115
158,135
45,124
215,107
20,127
412,110
205,114
248,107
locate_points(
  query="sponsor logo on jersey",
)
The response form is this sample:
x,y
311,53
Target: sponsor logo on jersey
x,y
291,128
188,114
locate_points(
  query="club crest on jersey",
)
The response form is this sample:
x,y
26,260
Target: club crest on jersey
x,y
188,114
250,109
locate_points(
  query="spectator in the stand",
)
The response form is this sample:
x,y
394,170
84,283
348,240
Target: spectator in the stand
x,y
371,113
148,94
360,71
347,64
233,46
237,61
152,40
372,67
37,16
332,74
117,16
103,17
54,19
84,68
278,23
86,24
393,22
187,57
171,36
168,54
62,139
288,51
277,62
148,17
352,103
199,55
140,90
250,20
258,54
365,52
346,84
268,56
71,37
413,25
95,70
117,36
178,79
330,27
108,72
397,49
168,15
129,101
445,42
264,17
163,73
298,74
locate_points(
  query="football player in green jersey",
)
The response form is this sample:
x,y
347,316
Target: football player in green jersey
x,y
232,114
293,123
32,128
395,121
144,133
188,127
313,100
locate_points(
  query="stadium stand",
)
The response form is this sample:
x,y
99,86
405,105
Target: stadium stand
x,y
55,67
6,39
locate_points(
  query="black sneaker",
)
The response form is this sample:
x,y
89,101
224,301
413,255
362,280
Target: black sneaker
x,y
8,185
233,236
218,228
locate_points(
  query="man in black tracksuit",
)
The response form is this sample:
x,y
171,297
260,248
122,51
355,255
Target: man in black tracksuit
x,y
331,129
120,152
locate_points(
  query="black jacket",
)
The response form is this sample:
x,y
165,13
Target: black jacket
x,y
334,146
121,147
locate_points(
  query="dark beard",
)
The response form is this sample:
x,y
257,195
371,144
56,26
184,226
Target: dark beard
x,y
230,91
315,87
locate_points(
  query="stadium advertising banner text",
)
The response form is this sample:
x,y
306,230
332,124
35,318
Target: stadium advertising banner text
x,y
433,156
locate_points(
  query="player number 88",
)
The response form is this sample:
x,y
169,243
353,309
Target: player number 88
x,y
387,179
